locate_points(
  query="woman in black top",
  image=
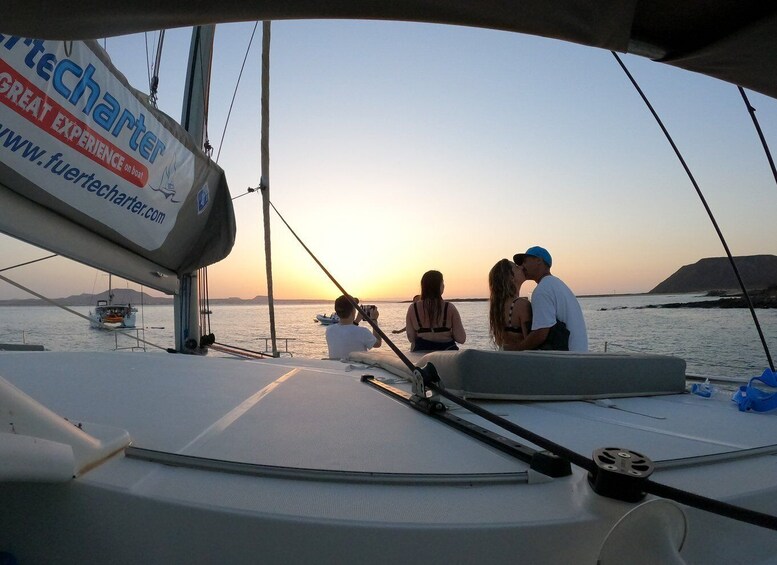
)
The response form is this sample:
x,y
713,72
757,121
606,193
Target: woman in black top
x,y
509,317
432,323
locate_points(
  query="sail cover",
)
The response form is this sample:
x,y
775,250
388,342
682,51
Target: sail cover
x,y
82,150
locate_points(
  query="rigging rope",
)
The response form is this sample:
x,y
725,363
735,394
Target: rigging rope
x,y
249,190
706,207
234,94
765,145
204,304
154,79
28,263
148,57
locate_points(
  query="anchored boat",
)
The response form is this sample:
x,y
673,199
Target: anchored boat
x,y
327,320
108,314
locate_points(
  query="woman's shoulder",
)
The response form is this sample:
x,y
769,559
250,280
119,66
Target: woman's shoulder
x,y
518,305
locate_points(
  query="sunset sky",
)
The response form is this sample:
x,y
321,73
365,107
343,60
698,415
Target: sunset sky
x,y
399,148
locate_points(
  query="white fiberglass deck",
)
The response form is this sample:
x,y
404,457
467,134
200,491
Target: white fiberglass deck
x,y
392,482
317,415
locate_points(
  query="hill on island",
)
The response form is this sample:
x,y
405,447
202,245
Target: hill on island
x,y
130,296
715,274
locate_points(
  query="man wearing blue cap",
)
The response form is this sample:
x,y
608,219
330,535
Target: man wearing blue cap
x,y
554,306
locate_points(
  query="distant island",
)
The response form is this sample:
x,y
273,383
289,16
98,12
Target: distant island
x,y
715,277
130,296
715,274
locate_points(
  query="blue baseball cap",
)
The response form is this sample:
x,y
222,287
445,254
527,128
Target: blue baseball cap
x,y
535,251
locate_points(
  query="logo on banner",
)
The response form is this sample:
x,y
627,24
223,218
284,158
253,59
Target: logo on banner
x,y
166,186
203,196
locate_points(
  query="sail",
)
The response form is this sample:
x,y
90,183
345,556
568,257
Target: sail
x,y
98,174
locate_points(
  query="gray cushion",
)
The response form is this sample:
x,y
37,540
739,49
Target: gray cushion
x,y
546,375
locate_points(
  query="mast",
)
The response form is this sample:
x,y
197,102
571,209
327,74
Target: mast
x,y
193,119
265,181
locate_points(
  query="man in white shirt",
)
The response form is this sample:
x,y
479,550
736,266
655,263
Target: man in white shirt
x,y
552,302
347,336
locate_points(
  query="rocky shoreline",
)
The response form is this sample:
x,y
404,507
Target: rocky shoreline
x,y
766,298
763,298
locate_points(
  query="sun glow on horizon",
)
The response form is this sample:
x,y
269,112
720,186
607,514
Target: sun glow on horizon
x,y
386,178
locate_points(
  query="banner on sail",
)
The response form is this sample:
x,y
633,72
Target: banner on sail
x,y
77,139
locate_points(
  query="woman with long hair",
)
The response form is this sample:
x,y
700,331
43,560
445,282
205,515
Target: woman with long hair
x,y
433,324
509,316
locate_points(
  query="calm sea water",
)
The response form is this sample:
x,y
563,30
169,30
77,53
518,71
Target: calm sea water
x,y
713,341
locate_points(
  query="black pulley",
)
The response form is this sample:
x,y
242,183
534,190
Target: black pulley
x,y
620,473
429,374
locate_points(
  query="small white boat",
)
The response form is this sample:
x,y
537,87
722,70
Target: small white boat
x,y
327,320
122,316
112,315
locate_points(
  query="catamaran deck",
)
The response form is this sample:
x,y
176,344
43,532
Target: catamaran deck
x,y
222,445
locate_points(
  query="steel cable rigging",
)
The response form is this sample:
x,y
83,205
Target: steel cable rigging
x,y
706,207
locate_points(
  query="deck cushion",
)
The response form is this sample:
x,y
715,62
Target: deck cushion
x,y
546,375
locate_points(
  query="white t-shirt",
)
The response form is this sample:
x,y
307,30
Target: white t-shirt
x,y
342,339
552,300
